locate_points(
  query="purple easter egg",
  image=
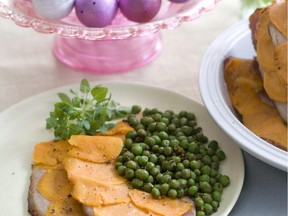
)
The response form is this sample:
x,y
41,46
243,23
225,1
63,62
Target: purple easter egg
x,y
139,10
96,13
179,1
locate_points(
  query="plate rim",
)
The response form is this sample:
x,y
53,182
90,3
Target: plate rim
x,y
211,97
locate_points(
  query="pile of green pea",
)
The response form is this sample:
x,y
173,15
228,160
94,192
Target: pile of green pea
x,y
168,155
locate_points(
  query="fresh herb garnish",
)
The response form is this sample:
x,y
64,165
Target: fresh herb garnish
x,y
86,112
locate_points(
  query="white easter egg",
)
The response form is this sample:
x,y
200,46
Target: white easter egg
x,y
53,9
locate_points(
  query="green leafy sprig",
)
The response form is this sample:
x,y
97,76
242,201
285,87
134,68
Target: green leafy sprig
x,y
86,112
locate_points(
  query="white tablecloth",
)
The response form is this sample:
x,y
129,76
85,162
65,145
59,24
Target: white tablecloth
x,y
28,67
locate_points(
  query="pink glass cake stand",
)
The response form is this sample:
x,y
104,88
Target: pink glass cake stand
x,y
119,47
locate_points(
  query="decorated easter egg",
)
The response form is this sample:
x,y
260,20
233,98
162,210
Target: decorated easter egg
x,y
96,13
53,9
139,10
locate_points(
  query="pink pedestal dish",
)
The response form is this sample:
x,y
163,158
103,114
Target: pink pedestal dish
x,y
119,47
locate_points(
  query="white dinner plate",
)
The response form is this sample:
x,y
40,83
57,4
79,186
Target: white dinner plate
x,y
23,125
236,42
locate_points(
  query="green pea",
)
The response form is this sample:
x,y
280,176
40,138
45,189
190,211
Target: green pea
x,y
153,158
194,164
200,213
133,121
193,175
180,193
157,139
176,159
161,150
186,130
154,171
128,143
177,175
163,135
136,109
165,143
121,170
210,152
137,183
161,158
183,183
184,144
155,192
191,182
192,190
168,113
136,149
145,152
205,169
141,174
175,184
120,159
214,145
191,123
141,133
171,127
129,173
156,117
220,154
204,178
150,179
172,193
215,204
164,120
207,160
175,121
207,198
150,165
183,121
212,181
193,147
164,188
149,141
131,134
146,120
159,177
199,202
208,208
148,187
117,164
218,187
155,148
132,165
171,166
161,127
152,127
128,156
224,180
180,167
205,187
186,173
186,163
190,116
216,195
165,178
142,160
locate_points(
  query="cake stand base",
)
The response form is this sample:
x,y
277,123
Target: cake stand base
x,y
107,56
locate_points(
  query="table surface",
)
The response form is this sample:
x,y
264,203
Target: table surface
x,y
28,67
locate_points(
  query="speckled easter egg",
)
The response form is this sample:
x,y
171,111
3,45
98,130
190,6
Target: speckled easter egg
x,y
53,9
139,10
96,13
